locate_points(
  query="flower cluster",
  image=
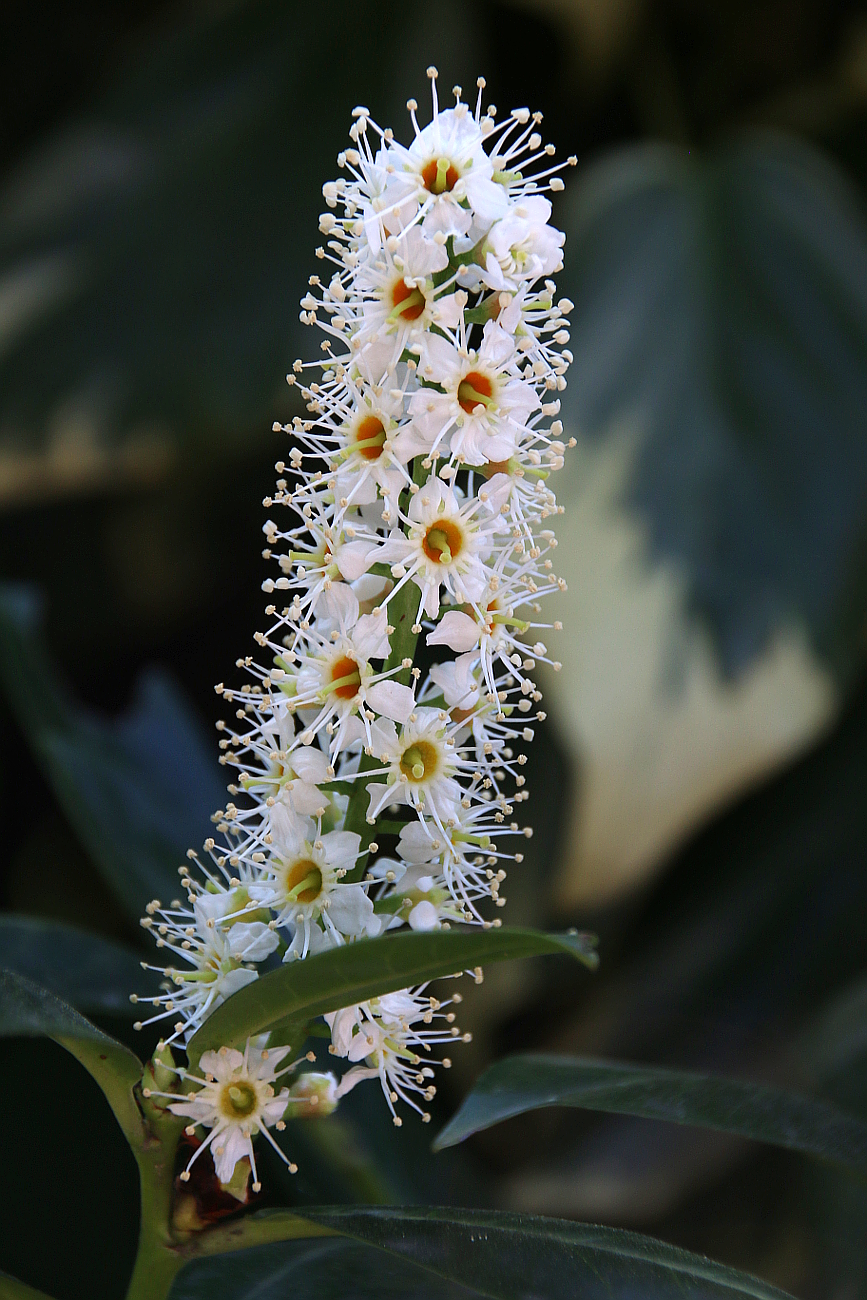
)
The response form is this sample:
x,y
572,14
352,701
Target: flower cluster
x,y
370,792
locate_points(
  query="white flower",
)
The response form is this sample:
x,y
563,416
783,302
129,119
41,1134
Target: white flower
x,y
522,246
447,174
367,464
303,883
436,868
294,778
386,1034
236,1101
445,548
422,766
456,678
333,679
397,298
484,406
214,955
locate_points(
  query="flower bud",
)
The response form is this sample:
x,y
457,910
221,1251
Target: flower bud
x,y
312,1096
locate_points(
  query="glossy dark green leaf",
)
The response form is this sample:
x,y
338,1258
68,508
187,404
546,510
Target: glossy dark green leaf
x,y
326,1268
12,1289
93,974
343,976
139,790
705,968
513,1256
30,1011
721,314
751,1110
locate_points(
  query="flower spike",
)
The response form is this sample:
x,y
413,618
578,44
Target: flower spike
x,y
415,500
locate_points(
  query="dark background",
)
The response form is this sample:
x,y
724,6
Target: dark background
x,y
160,175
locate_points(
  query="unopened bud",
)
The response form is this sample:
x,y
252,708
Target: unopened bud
x,y
312,1096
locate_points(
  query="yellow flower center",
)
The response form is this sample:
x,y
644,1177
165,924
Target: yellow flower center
x,y
420,761
303,881
238,1100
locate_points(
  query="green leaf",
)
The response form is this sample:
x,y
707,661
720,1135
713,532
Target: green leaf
x,y
30,1011
92,973
321,1269
837,1042
139,790
12,1289
339,978
155,242
721,315
504,1256
751,1110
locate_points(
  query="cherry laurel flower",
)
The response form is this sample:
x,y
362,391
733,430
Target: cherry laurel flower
x,y
235,1100
415,500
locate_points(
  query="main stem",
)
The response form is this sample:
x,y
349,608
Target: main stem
x,y
401,615
157,1262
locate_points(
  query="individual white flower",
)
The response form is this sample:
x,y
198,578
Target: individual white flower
x,y
303,884
396,297
386,1033
484,405
236,1101
367,464
437,865
411,894
332,680
214,957
421,766
456,678
489,626
293,777
446,546
522,246
447,174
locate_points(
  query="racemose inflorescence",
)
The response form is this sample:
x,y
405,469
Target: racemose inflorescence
x,y
412,516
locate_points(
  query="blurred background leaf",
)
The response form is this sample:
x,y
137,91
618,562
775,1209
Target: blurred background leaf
x,y
91,973
748,404
154,247
139,790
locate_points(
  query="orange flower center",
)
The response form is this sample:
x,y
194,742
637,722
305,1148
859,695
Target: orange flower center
x,y
443,542
461,715
346,667
495,467
435,181
400,292
472,389
370,436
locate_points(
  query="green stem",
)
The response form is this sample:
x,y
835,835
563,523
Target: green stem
x,y
157,1261
401,616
